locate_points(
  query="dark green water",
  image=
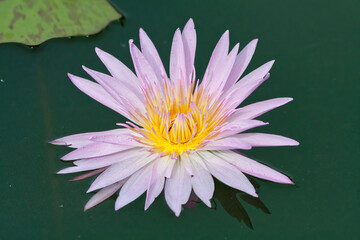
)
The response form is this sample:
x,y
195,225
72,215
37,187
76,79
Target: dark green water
x,y
316,47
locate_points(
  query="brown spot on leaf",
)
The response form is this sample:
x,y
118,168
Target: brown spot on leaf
x,y
17,16
44,15
37,37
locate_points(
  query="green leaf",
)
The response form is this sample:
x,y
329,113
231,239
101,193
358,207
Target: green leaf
x,y
34,21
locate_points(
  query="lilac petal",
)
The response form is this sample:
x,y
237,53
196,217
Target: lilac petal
x,y
177,188
265,140
189,41
256,109
252,167
119,90
227,143
87,175
242,89
177,59
82,139
238,127
120,170
222,71
219,54
241,63
95,149
127,139
157,179
151,54
117,68
103,194
96,92
202,181
100,162
185,160
143,69
134,187
227,173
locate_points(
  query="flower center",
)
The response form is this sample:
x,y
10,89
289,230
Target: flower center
x,y
179,119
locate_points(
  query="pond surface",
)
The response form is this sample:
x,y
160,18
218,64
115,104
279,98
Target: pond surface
x,y
316,47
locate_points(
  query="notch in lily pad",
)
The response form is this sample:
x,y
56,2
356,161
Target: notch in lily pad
x,y
32,22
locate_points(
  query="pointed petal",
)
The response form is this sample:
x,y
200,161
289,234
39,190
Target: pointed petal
x,y
256,109
185,160
96,92
227,143
265,140
219,54
157,179
124,139
103,194
151,54
177,188
87,175
189,41
119,90
117,68
134,187
119,171
222,71
202,181
82,139
177,59
95,149
253,168
227,173
241,63
143,69
238,127
100,162
242,89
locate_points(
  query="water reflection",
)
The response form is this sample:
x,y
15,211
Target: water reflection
x,y
231,200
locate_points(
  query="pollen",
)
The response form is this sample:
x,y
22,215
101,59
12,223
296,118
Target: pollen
x,y
179,118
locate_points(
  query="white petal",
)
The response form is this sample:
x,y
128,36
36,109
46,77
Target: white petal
x,y
120,170
202,181
157,179
82,139
134,187
265,140
103,194
177,188
256,109
185,160
227,173
253,168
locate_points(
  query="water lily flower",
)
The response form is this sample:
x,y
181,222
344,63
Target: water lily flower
x,y
181,132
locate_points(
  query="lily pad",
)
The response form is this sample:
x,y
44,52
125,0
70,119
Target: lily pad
x,y
34,21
